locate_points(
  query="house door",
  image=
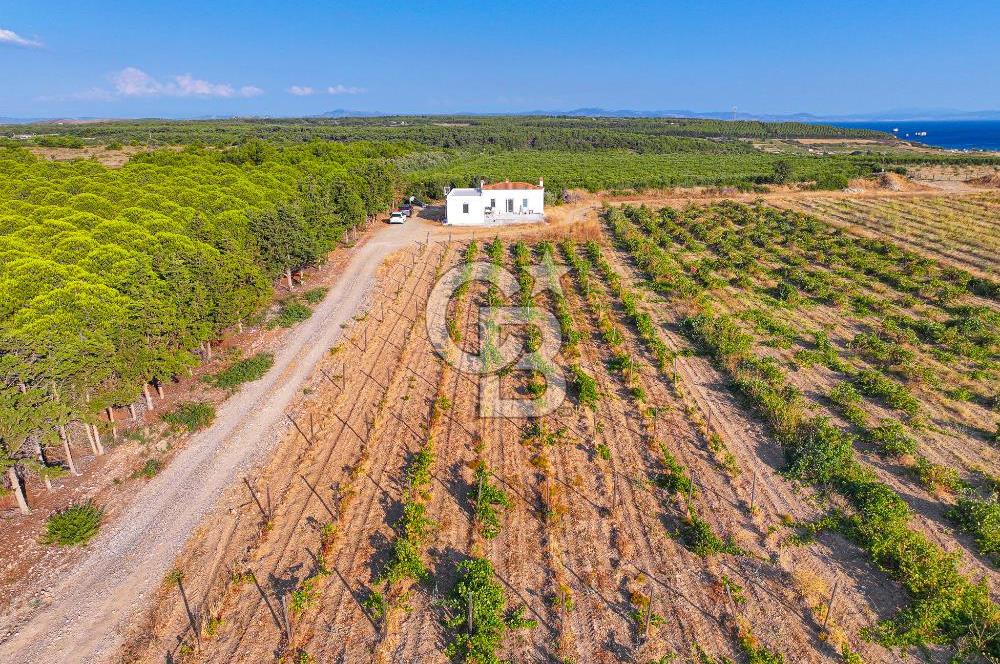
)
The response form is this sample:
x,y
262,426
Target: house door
x,y
510,205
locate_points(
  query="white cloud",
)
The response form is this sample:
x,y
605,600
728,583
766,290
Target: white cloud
x,y
301,90
344,90
11,37
133,82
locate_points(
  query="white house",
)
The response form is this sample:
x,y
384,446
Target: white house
x,y
496,203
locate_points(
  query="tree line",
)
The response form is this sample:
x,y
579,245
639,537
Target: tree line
x,y
510,132
112,279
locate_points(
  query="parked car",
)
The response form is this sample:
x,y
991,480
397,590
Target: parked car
x,y
406,209
397,218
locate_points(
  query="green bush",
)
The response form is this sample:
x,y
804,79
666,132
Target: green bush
x,y
819,452
315,295
489,499
697,535
149,469
291,312
981,519
673,479
477,593
890,438
587,394
193,415
74,525
934,476
244,371
831,182
848,401
873,383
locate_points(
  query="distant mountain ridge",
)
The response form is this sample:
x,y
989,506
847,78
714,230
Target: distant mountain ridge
x,y
888,116
897,115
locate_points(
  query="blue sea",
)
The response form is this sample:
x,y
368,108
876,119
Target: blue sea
x,y
950,134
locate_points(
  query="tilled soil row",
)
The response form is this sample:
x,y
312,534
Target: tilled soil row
x,y
868,596
296,476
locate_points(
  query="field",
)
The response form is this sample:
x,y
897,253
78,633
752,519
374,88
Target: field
x,y
773,433
779,441
593,153
962,231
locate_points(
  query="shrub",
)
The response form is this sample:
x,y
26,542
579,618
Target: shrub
x,y
981,519
819,452
76,524
673,478
934,476
315,295
375,605
304,596
890,438
831,182
244,371
873,383
720,335
292,312
848,399
478,594
193,415
488,498
587,394
697,535
756,653
149,469
881,351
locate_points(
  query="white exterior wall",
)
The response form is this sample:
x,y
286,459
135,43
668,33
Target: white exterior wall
x,y
536,202
479,203
475,215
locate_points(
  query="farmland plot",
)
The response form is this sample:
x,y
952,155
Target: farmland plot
x,y
648,515
829,338
962,231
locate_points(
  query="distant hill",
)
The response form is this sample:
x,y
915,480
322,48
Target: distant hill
x,y
896,114
344,113
899,114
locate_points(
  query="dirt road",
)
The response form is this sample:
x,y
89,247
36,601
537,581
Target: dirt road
x,y
82,618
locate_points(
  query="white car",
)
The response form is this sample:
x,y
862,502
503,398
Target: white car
x,y
397,218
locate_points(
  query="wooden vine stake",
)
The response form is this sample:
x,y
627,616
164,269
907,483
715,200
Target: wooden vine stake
x,y
732,603
256,499
187,609
649,607
287,619
292,420
829,605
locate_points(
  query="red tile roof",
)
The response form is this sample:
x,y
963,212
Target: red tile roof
x,y
511,185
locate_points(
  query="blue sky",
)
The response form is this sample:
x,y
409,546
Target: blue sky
x,y
159,58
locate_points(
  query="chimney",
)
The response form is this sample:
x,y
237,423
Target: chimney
x,y
482,183
541,183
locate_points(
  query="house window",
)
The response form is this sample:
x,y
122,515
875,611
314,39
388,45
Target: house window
x,y
465,208
510,205
524,203
493,203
